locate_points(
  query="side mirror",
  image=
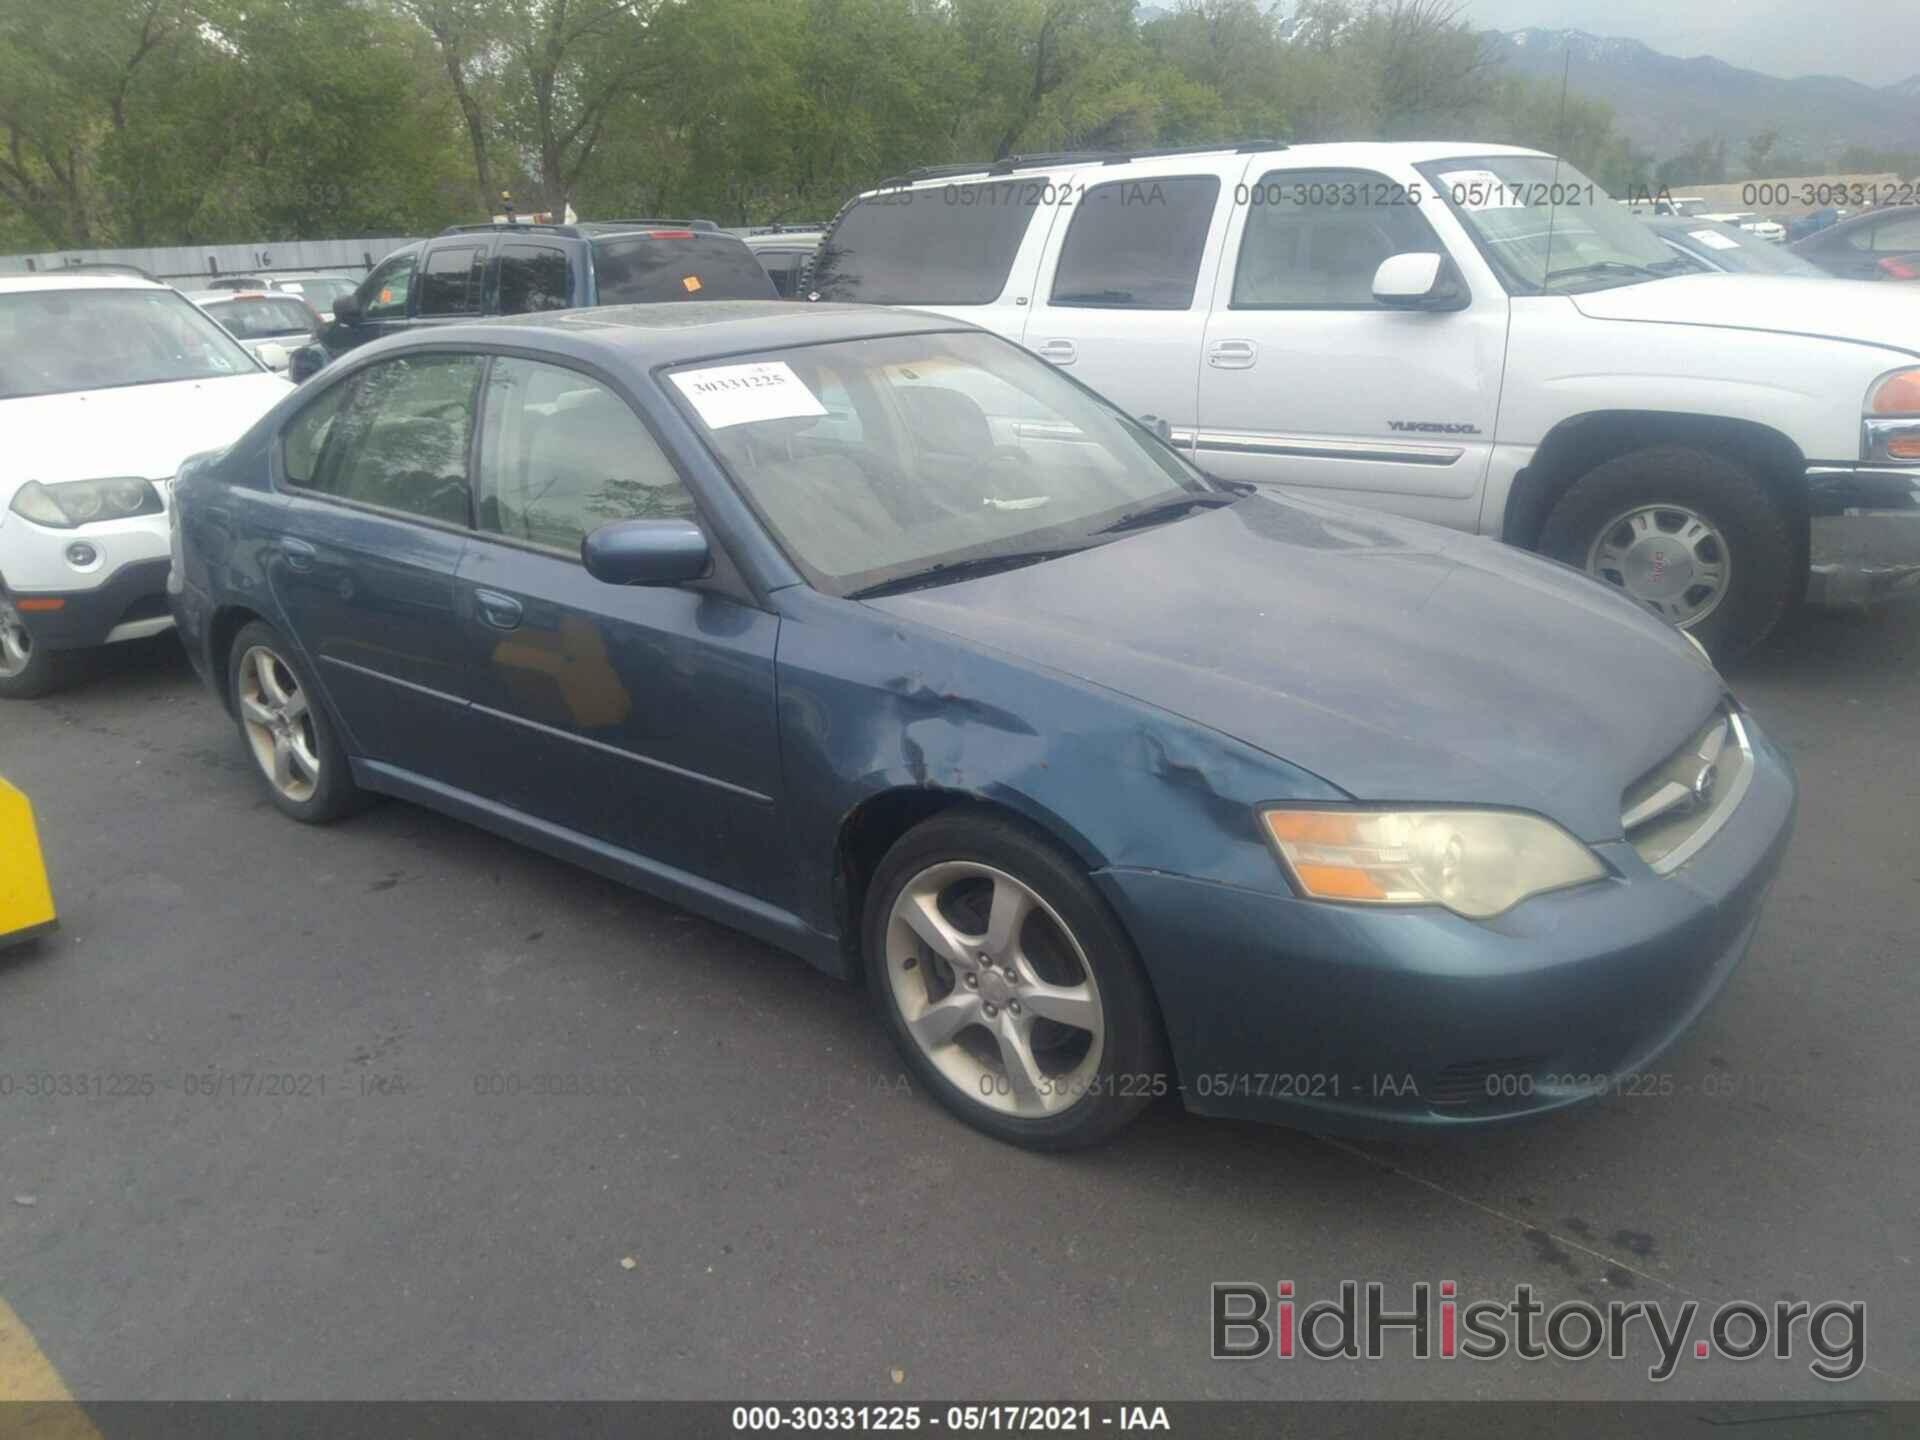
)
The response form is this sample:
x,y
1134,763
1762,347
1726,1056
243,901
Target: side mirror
x,y
305,363
1418,280
273,356
1160,426
647,552
346,310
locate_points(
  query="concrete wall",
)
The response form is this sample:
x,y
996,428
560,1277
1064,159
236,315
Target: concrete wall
x,y
187,265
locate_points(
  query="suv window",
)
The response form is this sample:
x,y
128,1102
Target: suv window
x,y
450,281
1136,244
401,441
534,278
1313,240
561,455
647,267
386,288
953,245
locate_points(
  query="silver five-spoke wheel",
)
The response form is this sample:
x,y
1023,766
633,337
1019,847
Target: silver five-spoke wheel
x,y
16,645
278,723
1669,558
994,989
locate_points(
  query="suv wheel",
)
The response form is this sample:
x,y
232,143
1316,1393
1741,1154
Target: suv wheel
x,y
1695,538
1009,987
27,670
287,729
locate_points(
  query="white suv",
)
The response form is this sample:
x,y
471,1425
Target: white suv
x,y
1469,334
106,384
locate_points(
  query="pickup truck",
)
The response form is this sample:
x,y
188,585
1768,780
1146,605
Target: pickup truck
x,y
1474,335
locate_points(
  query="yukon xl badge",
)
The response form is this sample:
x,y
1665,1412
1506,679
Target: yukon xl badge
x,y
1433,427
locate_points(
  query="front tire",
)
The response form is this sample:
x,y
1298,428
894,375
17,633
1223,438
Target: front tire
x,y
1008,985
1693,537
287,730
28,670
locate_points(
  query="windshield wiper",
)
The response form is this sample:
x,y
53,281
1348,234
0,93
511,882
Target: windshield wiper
x,y
1599,267
1166,510
948,571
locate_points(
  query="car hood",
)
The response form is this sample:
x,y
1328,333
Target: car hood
x,y
144,430
1395,660
1856,310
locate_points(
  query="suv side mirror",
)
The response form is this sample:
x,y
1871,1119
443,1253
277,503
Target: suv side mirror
x,y
346,310
305,363
647,552
1418,280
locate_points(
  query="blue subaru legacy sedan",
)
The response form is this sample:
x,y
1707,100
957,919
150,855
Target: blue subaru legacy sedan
x,y
876,637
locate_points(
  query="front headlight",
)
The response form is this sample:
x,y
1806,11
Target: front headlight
x,y
81,502
1477,863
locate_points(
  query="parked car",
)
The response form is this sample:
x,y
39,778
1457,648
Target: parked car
x,y
106,384
873,636
783,251
1878,245
517,269
318,288
1814,221
1420,328
1717,246
269,324
1769,230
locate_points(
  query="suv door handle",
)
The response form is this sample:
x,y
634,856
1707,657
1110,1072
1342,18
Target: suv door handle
x,y
1232,354
1058,352
300,555
502,612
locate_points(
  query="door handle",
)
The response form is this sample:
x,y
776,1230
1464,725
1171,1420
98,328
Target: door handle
x,y
1058,352
1232,354
502,612
300,555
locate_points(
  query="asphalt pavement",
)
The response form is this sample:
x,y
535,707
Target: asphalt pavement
x,y
395,1108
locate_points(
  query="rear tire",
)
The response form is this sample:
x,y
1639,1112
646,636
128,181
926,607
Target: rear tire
x,y
1008,985
1696,538
28,669
286,728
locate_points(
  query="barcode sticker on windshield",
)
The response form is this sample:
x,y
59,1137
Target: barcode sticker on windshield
x,y
1480,190
1714,240
741,394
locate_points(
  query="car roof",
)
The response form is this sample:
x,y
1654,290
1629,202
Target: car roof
x,y
674,332
59,280
211,297
1883,212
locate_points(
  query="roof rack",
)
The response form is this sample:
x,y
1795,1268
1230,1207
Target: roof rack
x,y
655,223
1011,163
579,227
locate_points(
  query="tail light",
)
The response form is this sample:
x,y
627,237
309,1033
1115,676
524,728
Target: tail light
x,y
1899,269
669,234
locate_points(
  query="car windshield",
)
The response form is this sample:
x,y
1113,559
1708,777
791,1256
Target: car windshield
x,y
262,317
1546,228
887,461
1730,248
53,341
320,291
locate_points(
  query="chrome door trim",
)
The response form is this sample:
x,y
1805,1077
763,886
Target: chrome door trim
x,y
1317,447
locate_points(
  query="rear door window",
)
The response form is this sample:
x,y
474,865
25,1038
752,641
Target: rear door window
x,y
947,245
450,281
1136,244
401,442
534,278
645,269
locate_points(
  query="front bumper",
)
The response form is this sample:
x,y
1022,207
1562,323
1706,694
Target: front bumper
x,y
129,604
1865,534
1365,1021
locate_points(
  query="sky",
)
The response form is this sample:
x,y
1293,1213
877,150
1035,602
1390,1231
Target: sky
x,y
1875,41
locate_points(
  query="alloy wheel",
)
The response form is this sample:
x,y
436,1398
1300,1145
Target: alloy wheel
x,y
16,645
278,721
1669,558
994,989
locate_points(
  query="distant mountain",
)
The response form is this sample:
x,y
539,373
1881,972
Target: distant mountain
x,y
1666,103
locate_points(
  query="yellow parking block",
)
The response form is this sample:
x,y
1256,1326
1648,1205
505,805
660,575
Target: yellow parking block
x,y
37,1403
26,902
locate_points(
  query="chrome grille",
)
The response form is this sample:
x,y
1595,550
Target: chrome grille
x,y
1670,814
